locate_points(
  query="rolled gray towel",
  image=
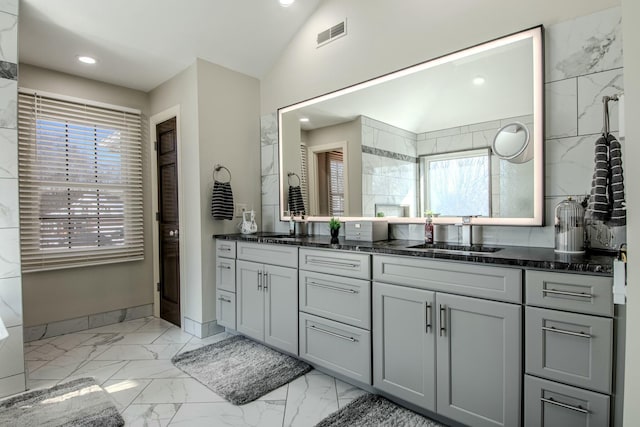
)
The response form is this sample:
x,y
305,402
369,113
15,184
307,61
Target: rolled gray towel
x,y
619,211
599,204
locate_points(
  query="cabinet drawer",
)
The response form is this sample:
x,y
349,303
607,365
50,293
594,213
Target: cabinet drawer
x,y
571,292
573,348
226,274
550,404
337,298
225,249
336,346
286,256
504,284
343,263
226,309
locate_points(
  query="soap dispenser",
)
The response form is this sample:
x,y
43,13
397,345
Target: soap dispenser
x,y
428,229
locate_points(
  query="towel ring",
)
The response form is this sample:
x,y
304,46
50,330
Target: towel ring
x,y
217,168
290,174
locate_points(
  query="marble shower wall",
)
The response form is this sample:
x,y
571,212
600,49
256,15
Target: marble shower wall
x,y
583,63
389,169
12,370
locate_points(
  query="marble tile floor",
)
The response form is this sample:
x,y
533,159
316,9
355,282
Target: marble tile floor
x,y
132,361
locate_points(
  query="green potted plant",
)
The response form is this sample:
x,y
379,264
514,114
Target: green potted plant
x,y
334,228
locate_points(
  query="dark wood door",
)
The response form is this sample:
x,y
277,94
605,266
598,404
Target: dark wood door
x,y
168,221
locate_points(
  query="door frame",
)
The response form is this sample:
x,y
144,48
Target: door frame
x,y
312,179
153,121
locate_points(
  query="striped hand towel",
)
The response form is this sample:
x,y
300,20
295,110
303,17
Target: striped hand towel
x,y
606,202
296,203
618,212
222,201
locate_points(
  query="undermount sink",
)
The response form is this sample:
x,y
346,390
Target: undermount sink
x,y
455,249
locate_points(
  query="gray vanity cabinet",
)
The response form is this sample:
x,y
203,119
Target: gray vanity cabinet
x,y
226,283
404,343
474,344
267,304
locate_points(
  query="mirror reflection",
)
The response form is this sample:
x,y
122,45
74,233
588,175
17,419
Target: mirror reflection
x,y
456,136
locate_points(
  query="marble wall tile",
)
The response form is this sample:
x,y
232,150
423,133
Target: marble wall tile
x,y
9,6
426,146
454,143
9,150
9,203
269,129
12,385
442,133
569,165
584,45
138,312
591,89
270,190
494,124
482,138
12,353
11,301
34,333
9,252
68,326
561,108
8,37
8,103
269,159
8,70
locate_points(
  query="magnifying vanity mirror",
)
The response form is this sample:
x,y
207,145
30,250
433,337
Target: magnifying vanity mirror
x,y
459,135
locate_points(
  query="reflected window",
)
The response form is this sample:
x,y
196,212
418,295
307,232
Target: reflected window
x,y
335,166
456,184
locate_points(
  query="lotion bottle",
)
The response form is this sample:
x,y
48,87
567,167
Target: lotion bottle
x,y
428,229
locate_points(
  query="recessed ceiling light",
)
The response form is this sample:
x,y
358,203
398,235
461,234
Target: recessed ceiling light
x,y
286,3
478,81
86,59
304,120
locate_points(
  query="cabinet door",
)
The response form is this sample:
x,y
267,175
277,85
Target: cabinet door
x,y
250,299
281,308
479,347
404,343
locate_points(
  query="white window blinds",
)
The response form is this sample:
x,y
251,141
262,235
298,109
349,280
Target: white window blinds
x,y
80,174
336,183
304,186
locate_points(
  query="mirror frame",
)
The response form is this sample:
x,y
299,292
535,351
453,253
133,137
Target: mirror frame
x,y
536,35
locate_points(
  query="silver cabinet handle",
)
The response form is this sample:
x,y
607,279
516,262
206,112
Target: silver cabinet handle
x,y
267,281
571,294
443,319
223,299
333,288
562,331
333,334
225,248
331,263
428,320
224,266
564,405
171,233
259,280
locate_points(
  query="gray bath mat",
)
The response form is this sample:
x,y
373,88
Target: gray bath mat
x,y
371,410
240,370
80,402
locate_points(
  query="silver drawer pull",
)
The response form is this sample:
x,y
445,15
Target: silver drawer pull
x,y
332,263
225,248
226,267
571,294
333,288
562,331
223,299
333,334
564,405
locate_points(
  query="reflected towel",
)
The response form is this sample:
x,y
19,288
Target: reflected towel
x,y
619,210
296,203
222,201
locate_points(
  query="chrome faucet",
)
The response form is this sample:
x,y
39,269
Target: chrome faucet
x,y
467,232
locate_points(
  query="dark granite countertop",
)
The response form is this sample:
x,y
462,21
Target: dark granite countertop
x,y
514,256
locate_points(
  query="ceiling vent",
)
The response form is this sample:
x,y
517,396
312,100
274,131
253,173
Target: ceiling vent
x,y
330,34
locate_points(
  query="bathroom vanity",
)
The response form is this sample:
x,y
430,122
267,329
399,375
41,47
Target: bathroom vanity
x,y
514,337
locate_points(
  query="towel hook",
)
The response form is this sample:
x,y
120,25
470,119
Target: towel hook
x,y
290,174
217,168
605,102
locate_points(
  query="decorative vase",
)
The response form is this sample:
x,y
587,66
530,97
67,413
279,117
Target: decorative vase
x,y
334,236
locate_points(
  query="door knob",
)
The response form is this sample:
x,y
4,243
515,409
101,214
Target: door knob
x,y
171,233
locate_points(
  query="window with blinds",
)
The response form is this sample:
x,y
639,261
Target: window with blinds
x,y
80,175
304,186
335,166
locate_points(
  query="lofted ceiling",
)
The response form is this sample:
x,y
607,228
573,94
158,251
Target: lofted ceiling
x,y
139,44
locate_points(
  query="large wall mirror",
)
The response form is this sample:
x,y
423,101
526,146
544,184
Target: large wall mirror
x,y
460,135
